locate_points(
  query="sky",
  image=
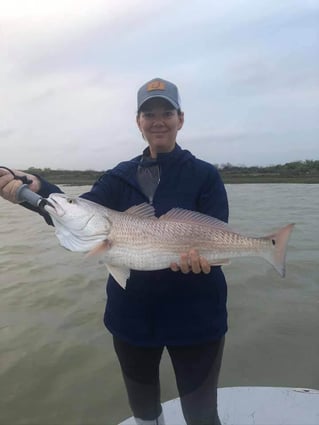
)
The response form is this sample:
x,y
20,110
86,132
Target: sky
x,y
247,72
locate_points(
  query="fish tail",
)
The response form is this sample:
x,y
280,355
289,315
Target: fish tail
x,y
277,254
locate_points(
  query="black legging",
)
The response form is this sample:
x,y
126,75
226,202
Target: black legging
x,y
196,369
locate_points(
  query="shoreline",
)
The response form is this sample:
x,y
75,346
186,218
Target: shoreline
x,y
82,181
230,175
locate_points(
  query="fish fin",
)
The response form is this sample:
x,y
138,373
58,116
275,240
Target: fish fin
x,y
120,274
142,210
100,248
277,255
221,262
188,216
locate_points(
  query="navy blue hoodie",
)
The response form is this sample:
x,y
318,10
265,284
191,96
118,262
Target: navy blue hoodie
x,y
165,307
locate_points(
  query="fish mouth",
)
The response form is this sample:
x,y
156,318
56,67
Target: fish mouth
x,y
53,208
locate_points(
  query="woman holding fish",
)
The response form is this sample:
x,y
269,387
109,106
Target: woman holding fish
x,y
182,308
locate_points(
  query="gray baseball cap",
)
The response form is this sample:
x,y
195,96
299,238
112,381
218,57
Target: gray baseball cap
x,y
158,88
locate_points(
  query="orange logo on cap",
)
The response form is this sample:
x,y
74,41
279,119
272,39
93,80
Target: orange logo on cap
x,y
155,85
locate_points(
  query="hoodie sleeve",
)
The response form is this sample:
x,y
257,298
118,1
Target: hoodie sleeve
x,y
213,197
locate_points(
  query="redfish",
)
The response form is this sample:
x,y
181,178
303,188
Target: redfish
x,y
136,239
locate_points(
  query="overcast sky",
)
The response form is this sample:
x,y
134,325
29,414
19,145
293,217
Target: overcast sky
x,y
247,70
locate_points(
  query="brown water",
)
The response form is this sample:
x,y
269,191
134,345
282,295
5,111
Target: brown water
x,y
57,364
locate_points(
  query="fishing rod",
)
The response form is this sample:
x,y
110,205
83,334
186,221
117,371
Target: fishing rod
x,y
25,194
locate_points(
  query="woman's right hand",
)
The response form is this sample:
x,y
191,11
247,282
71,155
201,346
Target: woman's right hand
x,y
9,185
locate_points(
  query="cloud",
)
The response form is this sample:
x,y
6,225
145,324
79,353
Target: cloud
x,y
6,133
246,70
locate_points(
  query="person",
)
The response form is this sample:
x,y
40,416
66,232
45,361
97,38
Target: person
x,y
182,309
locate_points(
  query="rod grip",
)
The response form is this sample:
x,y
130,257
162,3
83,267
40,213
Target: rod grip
x,y
24,194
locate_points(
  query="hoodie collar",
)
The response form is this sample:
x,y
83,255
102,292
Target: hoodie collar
x,y
127,170
162,158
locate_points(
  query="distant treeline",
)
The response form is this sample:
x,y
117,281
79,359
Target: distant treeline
x,y
292,172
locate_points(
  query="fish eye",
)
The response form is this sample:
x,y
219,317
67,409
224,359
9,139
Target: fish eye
x,y
70,201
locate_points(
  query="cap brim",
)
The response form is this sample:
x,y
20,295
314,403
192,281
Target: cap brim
x,y
172,102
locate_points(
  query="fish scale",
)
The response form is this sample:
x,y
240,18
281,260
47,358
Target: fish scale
x,y
154,243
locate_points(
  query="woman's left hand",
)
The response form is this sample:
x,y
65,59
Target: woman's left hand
x,y
191,262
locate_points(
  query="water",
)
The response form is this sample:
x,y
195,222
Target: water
x,y
57,360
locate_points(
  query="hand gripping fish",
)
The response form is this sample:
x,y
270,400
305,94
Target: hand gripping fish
x,y
136,239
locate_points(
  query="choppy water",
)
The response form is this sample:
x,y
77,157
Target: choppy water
x,y
57,360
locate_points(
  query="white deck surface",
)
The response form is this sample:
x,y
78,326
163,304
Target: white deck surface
x,y
256,406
